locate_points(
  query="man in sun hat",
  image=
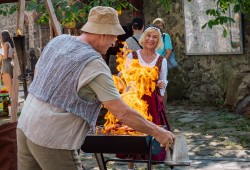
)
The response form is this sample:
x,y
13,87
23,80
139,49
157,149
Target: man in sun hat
x,y
70,84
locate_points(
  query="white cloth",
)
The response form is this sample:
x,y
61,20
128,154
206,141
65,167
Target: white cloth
x,y
1,51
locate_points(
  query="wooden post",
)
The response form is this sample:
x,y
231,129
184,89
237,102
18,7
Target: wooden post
x,y
53,19
51,30
15,89
16,68
20,17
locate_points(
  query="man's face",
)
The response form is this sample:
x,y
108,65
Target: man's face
x,y
106,42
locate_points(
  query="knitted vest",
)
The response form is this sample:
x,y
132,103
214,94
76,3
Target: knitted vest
x,y
58,70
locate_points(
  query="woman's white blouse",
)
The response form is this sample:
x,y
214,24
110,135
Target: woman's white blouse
x,y
164,67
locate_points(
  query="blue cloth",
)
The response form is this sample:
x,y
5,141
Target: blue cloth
x,y
167,45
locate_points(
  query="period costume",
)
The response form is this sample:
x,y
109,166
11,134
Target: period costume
x,y
155,103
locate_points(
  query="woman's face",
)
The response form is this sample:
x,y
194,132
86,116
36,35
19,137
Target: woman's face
x,y
160,25
151,39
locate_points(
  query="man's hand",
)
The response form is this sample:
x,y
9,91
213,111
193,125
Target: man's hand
x,y
165,138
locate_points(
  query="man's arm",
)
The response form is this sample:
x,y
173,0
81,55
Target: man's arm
x,y
133,119
103,86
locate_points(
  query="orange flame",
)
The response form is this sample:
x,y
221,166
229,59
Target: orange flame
x,y
18,32
133,81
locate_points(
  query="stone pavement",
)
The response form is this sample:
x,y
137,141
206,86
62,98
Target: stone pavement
x,y
217,139
196,164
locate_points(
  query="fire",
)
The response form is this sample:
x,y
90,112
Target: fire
x,y
18,32
133,81
119,10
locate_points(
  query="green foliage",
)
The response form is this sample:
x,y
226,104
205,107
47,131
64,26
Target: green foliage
x,y
6,9
220,12
166,4
69,12
74,12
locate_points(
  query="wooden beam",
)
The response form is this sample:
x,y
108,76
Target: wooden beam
x,y
15,88
20,17
16,69
55,23
51,30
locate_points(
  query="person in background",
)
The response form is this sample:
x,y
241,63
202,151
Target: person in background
x,y
151,41
167,48
8,53
71,83
31,62
132,42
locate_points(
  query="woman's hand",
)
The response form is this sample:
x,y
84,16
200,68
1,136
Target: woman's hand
x,y
161,84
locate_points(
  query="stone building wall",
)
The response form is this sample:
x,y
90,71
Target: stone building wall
x,y
198,78
8,23
37,36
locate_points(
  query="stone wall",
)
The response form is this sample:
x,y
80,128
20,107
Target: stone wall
x,y
8,23
37,36
197,78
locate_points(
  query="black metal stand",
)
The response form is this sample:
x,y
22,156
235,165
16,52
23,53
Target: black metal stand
x,y
134,145
102,162
19,42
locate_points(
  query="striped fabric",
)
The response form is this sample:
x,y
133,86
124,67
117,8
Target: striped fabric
x,y
58,70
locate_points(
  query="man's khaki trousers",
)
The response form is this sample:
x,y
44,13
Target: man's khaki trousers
x,y
35,157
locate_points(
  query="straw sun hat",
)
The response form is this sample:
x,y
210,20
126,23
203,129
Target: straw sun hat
x,y
103,20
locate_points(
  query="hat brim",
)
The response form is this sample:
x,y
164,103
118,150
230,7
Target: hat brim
x,y
109,29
